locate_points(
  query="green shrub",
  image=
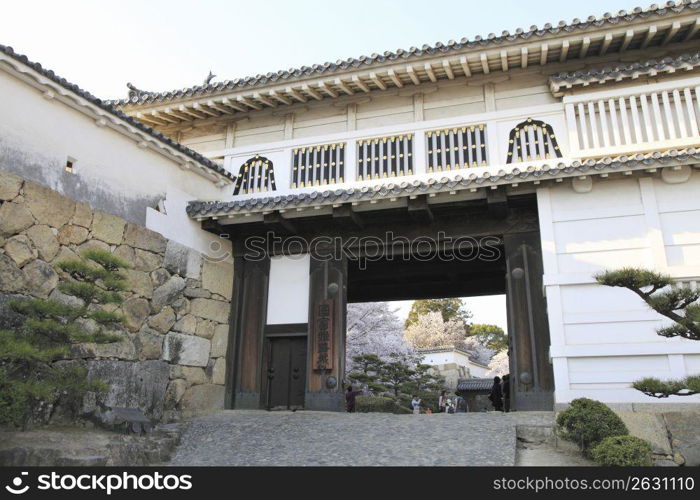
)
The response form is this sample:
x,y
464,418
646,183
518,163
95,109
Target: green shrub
x,y
622,451
402,410
588,422
375,404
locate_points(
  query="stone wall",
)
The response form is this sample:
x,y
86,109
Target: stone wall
x,y
172,354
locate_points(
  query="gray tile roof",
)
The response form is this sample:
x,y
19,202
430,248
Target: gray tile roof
x,y
137,96
106,106
204,209
620,72
474,384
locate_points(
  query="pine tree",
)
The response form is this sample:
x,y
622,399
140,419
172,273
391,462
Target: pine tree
x,y
32,383
679,304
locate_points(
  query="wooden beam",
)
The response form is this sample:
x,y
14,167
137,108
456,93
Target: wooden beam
x,y
296,94
693,30
394,78
228,102
544,49
377,81
220,108
184,109
564,51
357,81
523,57
347,213
204,110
464,62
323,86
344,86
265,100
497,202
275,219
177,114
419,209
162,116
585,45
648,37
311,92
276,95
149,119
671,33
246,102
448,70
605,45
484,63
629,35
504,60
412,75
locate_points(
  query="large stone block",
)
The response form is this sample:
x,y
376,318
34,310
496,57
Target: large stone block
x,y
41,279
650,427
182,260
204,397
44,241
48,206
83,215
9,185
72,234
167,293
11,276
217,277
146,261
20,249
135,310
139,283
685,435
186,324
215,310
140,384
219,342
124,350
149,344
145,239
164,320
189,350
176,389
108,228
193,375
14,218
93,245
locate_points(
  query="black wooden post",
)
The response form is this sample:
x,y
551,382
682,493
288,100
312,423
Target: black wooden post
x,y
532,379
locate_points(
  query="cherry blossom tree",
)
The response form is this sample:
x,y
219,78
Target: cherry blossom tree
x,y
374,328
499,364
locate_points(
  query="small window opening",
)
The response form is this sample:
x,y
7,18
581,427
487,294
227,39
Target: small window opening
x,y
70,165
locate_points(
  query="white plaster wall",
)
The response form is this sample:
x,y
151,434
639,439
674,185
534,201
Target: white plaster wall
x,y
602,338
443,358
112,173
288,290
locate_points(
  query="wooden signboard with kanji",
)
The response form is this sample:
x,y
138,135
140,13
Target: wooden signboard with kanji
x,y
322,348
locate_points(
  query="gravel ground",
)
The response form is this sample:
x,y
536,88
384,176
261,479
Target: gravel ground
x,y
260,438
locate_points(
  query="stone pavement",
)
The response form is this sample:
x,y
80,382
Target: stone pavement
x,y
260,438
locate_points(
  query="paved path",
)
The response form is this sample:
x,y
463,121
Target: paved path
x,y
338,439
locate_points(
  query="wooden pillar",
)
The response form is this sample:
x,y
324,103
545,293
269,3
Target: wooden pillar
x,y
327,316
248,314
531,376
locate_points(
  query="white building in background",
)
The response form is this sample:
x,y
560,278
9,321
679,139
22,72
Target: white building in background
x,y
452,364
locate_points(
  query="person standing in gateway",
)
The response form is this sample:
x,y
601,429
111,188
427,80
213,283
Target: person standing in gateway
x,y
350,399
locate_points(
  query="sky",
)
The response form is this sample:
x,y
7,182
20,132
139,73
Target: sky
x,y
163,45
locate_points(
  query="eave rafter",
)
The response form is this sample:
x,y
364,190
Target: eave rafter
x,y
551,49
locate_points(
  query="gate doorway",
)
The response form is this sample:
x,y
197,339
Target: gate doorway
x,y
286,372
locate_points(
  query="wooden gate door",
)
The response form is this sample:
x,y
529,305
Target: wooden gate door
x,y
531,375
286,373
